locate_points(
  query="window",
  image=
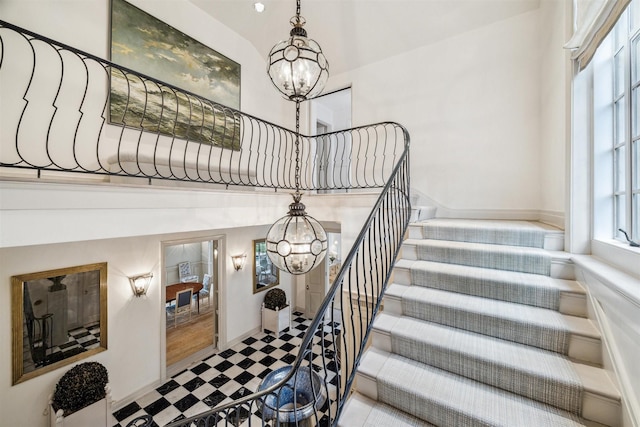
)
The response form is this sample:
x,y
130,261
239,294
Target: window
x,y
616,114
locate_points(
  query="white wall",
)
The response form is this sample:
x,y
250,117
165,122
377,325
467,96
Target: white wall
x,y
61,225
555,107
472,106
134,324
84,24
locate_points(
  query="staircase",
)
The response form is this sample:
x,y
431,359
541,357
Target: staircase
x,y
483,325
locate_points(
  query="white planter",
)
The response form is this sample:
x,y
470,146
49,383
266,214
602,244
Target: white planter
x,y
276,321
97,414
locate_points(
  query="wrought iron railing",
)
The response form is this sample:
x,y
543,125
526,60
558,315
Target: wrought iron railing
x,y
69,111
61,120
336,338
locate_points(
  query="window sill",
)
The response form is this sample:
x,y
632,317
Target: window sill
x,y
614,279
618,254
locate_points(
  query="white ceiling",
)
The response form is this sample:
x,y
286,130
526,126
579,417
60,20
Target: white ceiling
x,y
353,33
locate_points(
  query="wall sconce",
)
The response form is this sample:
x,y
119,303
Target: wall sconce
x,y
140,284
238,261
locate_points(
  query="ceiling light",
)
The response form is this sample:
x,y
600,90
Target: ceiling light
x,y
297,66
259,7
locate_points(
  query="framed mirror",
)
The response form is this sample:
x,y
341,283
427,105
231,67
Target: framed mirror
x,y
265,274
58,317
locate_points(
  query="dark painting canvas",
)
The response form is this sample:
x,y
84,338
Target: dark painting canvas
x,y
148,46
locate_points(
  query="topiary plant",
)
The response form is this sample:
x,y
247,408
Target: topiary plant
x,y
275,298
81,386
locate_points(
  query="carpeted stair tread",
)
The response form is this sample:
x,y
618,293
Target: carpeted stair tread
x,y
446,399
503,257
362,411
524,288
534,373
513,233
539,327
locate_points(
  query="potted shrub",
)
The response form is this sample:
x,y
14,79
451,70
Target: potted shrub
x,y
276,313
82,397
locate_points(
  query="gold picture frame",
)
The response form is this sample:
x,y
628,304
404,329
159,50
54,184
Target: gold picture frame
x,y
265,274
58,317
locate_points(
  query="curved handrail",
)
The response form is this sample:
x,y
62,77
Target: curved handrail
x,y
73,112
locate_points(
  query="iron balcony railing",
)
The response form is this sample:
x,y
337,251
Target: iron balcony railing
x,y
60,116
69,111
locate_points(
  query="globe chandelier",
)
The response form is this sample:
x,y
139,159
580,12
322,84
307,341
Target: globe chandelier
x,y
297,243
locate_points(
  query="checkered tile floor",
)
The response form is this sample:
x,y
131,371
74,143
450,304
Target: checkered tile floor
x,y
225,376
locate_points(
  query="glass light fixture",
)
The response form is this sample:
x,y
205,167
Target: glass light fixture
x,y
297,67
297,243
238,261
140,284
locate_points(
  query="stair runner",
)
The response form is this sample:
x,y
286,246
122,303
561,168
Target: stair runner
x,y
473,334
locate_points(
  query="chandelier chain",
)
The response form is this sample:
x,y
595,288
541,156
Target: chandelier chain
x,y
298,8
297,146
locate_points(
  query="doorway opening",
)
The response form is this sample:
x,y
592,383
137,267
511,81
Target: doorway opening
x,y
319,280
330,113
191,324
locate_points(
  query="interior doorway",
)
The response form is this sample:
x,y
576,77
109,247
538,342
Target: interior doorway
x,y
319,280
191,328
331,113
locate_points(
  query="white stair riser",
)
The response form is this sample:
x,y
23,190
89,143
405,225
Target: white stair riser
x,y
554,242
585,349
392,305
573,304
366,386
601,409
562,269
415,231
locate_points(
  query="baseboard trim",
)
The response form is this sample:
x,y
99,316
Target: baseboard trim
x,y
241,338
508,214
121,403
553,218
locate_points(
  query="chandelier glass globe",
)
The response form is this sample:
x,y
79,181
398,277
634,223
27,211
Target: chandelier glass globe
x,y
297,67
296,243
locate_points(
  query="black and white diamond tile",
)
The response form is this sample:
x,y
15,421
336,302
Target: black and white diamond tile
x,y
226,376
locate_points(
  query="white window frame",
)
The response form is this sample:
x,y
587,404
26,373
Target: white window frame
x,y
591,228
616,81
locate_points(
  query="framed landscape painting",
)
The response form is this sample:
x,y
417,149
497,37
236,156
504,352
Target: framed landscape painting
x,y
209,81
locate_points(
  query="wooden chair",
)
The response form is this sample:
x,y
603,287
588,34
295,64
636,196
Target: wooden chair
x,y
183,304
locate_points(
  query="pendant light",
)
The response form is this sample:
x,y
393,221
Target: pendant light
x,y
297,243
296,66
